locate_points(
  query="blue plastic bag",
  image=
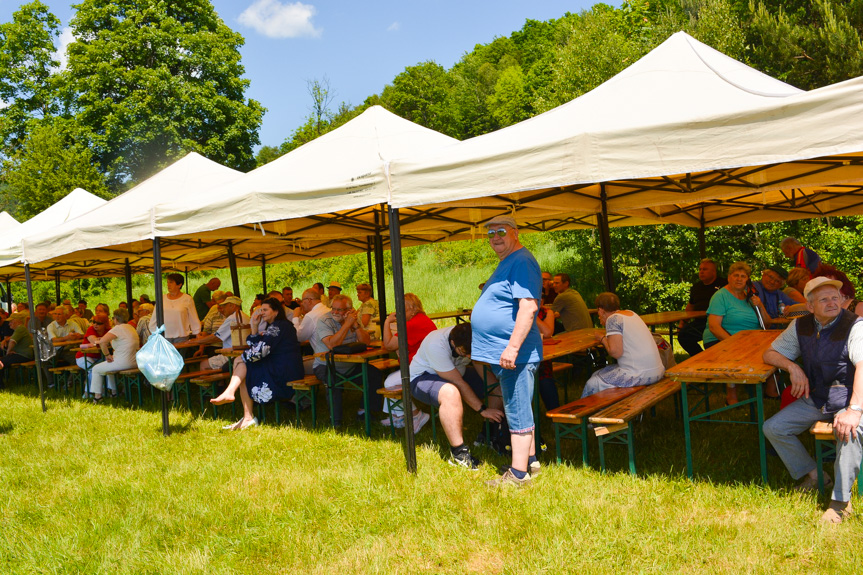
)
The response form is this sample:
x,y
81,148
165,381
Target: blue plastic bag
x,y
159,361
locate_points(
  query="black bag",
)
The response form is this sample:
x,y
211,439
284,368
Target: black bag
x,y
349,348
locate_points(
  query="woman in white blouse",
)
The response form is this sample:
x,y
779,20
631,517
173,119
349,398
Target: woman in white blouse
x,y
628,340
181,318
124,341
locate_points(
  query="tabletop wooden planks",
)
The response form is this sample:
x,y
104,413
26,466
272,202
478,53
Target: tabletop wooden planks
x,y
733,360
670,316
570,342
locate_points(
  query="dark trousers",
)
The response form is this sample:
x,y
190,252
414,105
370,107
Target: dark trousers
x,y
691,334
376,400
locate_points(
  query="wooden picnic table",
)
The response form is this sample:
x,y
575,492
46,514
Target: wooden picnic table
x,y
459,315
570,342
337,379
736,360
672,318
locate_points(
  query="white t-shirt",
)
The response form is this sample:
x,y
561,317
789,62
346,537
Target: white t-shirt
x,y
56,330
224,331
435,355
125,343
306,328
640,354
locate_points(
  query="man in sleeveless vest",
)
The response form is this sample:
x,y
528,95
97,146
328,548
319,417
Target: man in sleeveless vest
x,y
828,387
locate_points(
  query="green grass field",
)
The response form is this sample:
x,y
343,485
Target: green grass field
x,y
98,489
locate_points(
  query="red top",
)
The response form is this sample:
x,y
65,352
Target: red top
x,y
419,326
98,353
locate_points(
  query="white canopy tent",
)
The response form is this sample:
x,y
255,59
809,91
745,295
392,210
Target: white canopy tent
x,y
76,203
7,223
99,242
684,124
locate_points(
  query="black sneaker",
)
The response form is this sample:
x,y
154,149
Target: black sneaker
x,y
464,459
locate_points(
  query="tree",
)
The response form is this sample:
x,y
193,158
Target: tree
x,y
28,86
50,163
420,94
156,80
322,97
266,155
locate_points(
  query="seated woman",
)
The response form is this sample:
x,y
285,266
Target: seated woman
x,y
730,311
627,339
272,360
796,281
418,327
87,359
124,341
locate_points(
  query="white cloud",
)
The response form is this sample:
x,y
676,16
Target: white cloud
x,y
276,20
394,27
66,38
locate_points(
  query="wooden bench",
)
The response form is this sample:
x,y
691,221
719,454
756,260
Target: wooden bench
x,y
825,446
393,397
206,380
570,420
74,374
613,425
305,388
26,369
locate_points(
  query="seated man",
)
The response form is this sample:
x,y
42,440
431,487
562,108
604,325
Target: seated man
x,y
20,346
439,376
313,310
214,317
229,308
83,311
62,331
828,388
770,292
288,296
369,308
341,326
692,331
569,306
800,256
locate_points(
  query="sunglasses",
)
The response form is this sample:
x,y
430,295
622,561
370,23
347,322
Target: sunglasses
x,y
498,232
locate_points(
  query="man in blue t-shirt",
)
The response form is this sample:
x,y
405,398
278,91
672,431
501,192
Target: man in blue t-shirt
x,y
506,337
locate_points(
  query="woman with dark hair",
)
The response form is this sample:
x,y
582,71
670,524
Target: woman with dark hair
x,y
181,317
272,360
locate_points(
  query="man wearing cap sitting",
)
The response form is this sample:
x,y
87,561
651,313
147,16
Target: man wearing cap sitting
x,y
828,387
506,337
770,292
231,310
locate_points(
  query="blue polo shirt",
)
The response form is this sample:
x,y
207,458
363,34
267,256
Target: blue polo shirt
x,y
493,318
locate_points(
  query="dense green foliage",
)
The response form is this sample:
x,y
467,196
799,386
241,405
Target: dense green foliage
x,y
146,83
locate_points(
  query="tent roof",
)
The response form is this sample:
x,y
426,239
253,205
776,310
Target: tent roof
x,y
271,211
683,124
74,204
99,242
7,223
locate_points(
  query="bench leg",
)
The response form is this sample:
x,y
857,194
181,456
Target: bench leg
x,y
819,464
620,437
585,454
557,441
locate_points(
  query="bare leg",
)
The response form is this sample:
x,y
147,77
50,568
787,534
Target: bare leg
x,y
237,379
522,448
248,405
451,413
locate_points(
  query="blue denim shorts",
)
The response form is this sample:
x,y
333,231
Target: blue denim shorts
x,y
425,387
517,388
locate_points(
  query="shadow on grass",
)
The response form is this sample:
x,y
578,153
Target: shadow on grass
x,y
6,427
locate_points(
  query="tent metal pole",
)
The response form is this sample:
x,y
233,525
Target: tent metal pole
x,y
38,353
8,295
127,272
369,251
57,287
263,274
186,279
232,263
379,265
605,241
702,247
401,320
160,320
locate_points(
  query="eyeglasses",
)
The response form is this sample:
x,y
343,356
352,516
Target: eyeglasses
x,y
340,309
498,232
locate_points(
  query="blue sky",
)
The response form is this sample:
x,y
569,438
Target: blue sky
x,y
358,46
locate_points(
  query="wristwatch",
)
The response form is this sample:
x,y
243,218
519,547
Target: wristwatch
x,y
482,408
856,408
